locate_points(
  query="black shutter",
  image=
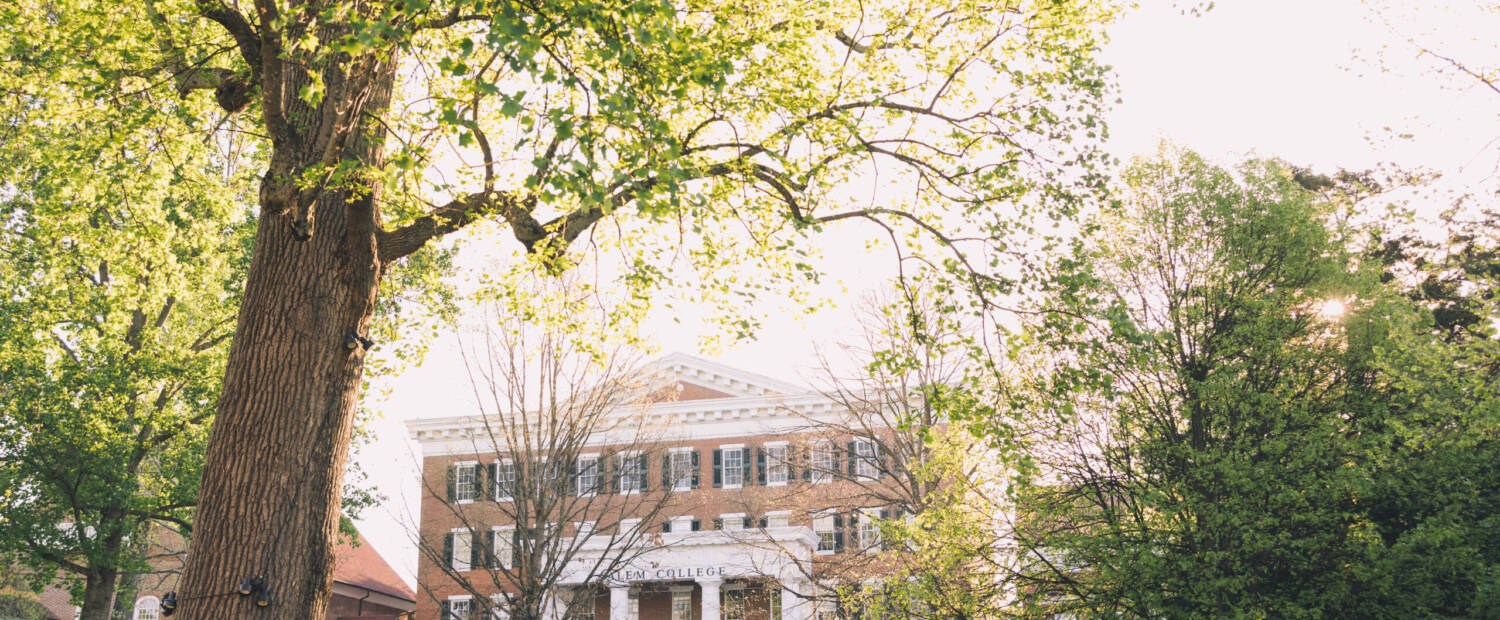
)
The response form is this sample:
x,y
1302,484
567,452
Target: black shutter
x,y
494,474
838,534
515,547
601,481
452,479
806,453
718,468
448,550
762,523
570,472
760,465
667,483
666,526
447,613
696,467
643,473
614,477
747,466
881,463
476,550
478,481
850,459
490,561
697,525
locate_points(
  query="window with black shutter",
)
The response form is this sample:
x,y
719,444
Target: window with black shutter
x,y
760,466
747,466
718,468
643,473
838,533
448,549
696,468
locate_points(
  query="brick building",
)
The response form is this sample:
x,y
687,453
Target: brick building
x,y
767,504
365,587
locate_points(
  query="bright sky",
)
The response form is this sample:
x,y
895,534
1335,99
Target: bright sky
x,y
1295,79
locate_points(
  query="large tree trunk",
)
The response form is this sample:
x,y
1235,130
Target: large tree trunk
x,y
269,502
98,594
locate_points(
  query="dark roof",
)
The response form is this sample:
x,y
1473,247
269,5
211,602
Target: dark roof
x,y
363,567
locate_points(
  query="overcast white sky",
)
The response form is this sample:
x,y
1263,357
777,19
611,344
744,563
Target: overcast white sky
x,y
1295,79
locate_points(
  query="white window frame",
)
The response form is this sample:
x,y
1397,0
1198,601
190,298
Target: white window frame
x,y
820,518
777,464
682,473
636,477
725,518
869,529
578,486
785,516
866,465
146,605
461,559
737,449
472,467
505,469
737,594
820,461
683,521
504,539
497,607
682,604
467,600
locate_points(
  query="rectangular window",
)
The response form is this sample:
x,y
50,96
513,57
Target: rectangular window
x,y
497,607
463,550
682,524
682,605
734,466
865,465
682,470
776,465
734,605
778,518
505,545
588,475
869,529
632,478
459,608
735,521
823,527
505,480
633,605
821,462
465,488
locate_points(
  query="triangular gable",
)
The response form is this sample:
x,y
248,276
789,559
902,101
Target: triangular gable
x,y
680,377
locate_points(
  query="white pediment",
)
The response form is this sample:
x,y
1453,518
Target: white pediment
x,y
686,377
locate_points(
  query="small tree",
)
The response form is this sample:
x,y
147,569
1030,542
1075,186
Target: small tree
x,y
562,491
916,496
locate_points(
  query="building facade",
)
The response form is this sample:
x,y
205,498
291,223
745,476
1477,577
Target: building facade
x,y
758,498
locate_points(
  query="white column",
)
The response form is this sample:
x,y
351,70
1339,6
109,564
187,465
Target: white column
x,y
710,610
793,607
619,602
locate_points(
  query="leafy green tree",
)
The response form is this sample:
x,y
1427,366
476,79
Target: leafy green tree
x,y
724,132
1425,388
125,240
1195,456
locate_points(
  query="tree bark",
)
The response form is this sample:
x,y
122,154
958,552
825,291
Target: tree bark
x,y
270,497
98,594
